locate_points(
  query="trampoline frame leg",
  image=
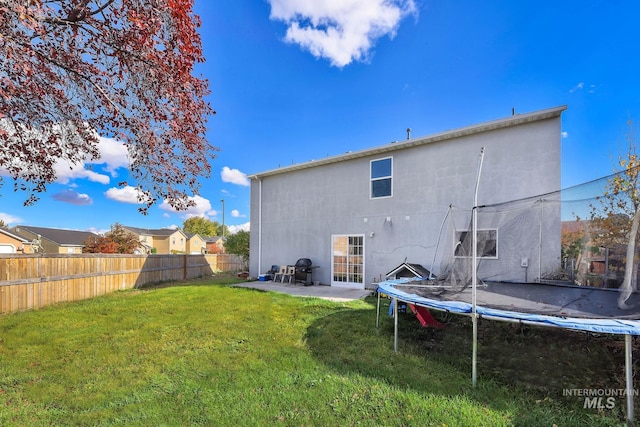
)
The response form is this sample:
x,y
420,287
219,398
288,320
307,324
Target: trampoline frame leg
x,y
378,312
395,325
474,351
628,366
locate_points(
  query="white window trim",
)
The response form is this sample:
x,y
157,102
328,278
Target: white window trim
x,y
380,178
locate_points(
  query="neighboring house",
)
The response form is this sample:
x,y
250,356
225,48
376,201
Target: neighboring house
x,y
54,240
195,243
593,265
215,245
164,240
358,215
12,242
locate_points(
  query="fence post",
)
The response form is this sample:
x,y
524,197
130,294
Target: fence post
x,y
184,269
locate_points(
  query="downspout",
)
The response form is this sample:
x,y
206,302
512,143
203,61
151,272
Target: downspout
x,y
259,225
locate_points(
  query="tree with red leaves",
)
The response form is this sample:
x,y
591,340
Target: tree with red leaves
x,y
99,245
74,70
116,241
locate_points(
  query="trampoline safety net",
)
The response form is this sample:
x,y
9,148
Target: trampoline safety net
x,y
570,253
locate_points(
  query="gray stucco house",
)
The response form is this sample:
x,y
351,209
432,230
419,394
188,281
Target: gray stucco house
x,y
360,214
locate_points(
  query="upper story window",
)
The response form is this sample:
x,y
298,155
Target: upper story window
x,y
381,176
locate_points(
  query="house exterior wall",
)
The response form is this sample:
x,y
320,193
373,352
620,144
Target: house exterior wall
x,y
178,243
195,245
294,214
69,249
162,244
147,240
46,246
17,246
174,243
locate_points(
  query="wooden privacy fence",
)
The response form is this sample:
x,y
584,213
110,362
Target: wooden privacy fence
x,y
35,281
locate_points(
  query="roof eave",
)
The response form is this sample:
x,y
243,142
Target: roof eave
x,y
514,120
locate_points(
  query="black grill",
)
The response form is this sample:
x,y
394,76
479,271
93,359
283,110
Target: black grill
x,y
303,271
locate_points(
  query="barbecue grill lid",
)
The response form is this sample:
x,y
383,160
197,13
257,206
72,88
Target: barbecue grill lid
x,y
303,262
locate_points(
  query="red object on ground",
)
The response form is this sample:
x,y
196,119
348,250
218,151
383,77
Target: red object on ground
x,y
424,316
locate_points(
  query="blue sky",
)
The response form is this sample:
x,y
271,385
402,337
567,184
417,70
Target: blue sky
x,y
296,80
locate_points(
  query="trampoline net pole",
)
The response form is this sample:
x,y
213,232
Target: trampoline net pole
x,y
474,288
474,274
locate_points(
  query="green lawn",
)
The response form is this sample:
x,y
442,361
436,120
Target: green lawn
x,y
204,353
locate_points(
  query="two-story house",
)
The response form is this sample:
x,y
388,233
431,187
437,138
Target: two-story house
x,y
360,214
162,240
196,244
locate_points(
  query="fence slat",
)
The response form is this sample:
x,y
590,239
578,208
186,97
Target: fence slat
x,y
34,281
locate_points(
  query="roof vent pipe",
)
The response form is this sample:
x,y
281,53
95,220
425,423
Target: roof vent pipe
x,y
408,133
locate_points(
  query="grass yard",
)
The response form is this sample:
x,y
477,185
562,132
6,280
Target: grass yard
x,y
204,353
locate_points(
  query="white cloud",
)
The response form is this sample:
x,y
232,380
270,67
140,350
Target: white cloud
x,y
579,86
67,172
10,219
73,197
126,194
235,213
113,154
202,207
98,231
234,176
564,134
242,227
341,31
591,88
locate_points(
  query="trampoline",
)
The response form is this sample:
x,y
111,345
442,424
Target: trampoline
x,y
567,306
563,306
566,259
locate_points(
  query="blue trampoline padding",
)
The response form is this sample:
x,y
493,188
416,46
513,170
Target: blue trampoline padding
x,y
609,326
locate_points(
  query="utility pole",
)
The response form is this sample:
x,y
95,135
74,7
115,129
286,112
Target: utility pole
x,y
222,201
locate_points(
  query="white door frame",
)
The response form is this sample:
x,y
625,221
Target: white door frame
x,y
348,264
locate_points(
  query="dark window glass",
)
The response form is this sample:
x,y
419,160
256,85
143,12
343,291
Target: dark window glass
x,y
381,168
381,188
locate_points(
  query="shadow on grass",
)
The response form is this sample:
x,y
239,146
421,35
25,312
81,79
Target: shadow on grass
x,y
212,280
521,365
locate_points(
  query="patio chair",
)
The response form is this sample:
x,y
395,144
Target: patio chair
x,y
280,274
290,274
